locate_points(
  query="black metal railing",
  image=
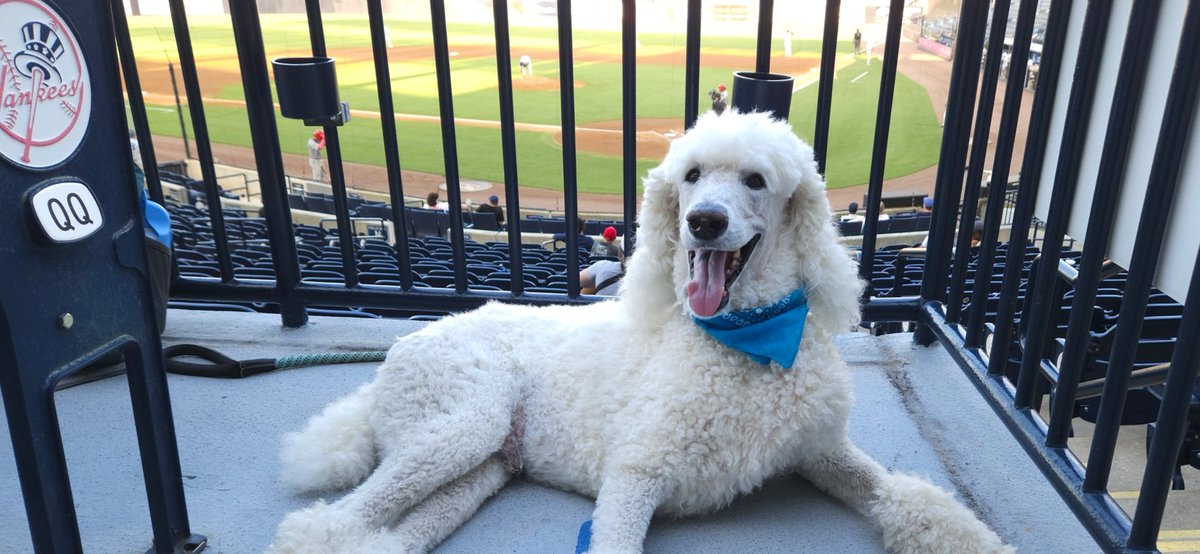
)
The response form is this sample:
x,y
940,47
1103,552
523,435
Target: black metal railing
x,y
1046,370
966,299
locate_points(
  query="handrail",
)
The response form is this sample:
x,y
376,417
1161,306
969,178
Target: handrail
x,y
244,188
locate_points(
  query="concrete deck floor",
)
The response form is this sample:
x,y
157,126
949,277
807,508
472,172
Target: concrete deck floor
x,y
915,412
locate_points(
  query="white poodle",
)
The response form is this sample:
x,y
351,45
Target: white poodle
x,y
671,421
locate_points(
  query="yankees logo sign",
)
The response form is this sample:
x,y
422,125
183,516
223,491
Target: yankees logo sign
x,y
45,92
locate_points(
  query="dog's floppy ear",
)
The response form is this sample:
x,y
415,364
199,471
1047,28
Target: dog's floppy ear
x,y
829,273
648,286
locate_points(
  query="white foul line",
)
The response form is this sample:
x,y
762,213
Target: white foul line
x,y
854,80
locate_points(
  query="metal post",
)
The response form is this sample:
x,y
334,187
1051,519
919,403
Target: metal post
x,y
1135,56
691,80
997,193
391,152
247,34
762,59
187,150
1172,414
825,83
883,122
1164,178
441,57
508,141
191,85
1031,171
629,119
961,99
566,89
137,105
983,127
1075,131
337,178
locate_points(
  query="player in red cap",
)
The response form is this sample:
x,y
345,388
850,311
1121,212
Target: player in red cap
x,y
720,99
315,144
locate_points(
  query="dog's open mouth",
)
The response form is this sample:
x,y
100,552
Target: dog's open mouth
x,y
713,272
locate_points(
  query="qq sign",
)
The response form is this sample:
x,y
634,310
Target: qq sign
x,y
66,211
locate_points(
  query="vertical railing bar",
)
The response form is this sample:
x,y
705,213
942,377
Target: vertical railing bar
x,y
1075,131
1172,421
191,87
829,55
952,158
187,151
883,123
998,196
691,81
1178,115
566,73
252,59
337,177
137,104
979,144
391,151
1098,513
1139,40
441,57
762,58
629,119
508,142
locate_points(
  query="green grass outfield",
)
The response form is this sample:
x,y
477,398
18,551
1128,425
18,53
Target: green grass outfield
x,y
913,144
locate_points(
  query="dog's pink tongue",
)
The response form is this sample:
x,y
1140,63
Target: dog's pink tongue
x,y
707,286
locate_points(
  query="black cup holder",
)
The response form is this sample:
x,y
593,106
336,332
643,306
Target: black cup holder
x,y
307,90
763,92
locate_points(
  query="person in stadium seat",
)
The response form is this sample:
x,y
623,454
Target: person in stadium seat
x,y
585,242
602,278
608,246
432,203
853,214
493,205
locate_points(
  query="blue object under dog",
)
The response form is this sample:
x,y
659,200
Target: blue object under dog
x,y
585,537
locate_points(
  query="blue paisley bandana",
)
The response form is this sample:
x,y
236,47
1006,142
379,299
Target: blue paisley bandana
x,y
766,333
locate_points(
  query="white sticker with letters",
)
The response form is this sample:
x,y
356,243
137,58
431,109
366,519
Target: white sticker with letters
x,y
67,211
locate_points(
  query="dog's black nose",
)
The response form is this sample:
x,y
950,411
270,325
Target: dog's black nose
x,y
707,224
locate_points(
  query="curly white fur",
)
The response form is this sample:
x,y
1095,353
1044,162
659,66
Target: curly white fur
x,y
670,422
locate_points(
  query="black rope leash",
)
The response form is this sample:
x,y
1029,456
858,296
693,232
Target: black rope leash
x,y
221,366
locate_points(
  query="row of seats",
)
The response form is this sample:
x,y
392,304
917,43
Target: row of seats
x,y
542,224
904,222
896,274
323,203
431,258
194,187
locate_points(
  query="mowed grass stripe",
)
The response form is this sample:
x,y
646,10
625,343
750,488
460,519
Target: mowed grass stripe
x,y
539,158
913,146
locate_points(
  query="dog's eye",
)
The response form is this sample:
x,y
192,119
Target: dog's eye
x,y
755,181
693,175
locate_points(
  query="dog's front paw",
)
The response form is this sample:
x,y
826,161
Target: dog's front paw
x,y
318,529
917,517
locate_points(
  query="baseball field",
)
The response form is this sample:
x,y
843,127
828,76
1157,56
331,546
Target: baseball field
x,y
913,145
